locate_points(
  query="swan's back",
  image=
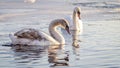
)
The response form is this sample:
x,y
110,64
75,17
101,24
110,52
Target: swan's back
x,y
30,36
28,33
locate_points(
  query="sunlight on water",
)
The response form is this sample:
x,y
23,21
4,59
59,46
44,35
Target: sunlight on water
x,y
97,47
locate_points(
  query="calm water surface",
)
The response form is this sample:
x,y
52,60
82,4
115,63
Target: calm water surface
x,y
99,46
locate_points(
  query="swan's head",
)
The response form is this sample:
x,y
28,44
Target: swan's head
x,y
59,23
77,11
65,25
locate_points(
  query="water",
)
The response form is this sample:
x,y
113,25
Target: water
x,y
100,42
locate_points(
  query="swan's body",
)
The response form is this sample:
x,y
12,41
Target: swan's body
x,y
34,37
75,21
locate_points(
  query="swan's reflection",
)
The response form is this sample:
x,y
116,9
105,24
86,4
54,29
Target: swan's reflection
x,y
75,38
75,44
32,51
25,55
76,52
24,48
57,56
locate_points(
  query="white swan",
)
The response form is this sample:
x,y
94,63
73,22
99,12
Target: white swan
x,y
75,21
34,37
29,1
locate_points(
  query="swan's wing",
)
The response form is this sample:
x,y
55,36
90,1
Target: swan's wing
x,y
33,34
28,34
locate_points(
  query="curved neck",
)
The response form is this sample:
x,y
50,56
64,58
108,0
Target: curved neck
x,y
75,17
55,33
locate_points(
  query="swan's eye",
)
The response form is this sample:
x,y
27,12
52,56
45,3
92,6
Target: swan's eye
x,y
78,12
67,26
67,29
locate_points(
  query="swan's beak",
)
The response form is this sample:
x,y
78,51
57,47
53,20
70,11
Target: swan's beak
x,y
67,29
79,15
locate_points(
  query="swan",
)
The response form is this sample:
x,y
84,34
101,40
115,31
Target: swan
x,y
75,21
30,36
29,1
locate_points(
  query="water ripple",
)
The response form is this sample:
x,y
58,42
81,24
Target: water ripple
x,y
98,4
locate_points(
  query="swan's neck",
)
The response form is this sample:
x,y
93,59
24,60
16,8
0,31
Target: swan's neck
x,y
55,33
75,17
76,20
